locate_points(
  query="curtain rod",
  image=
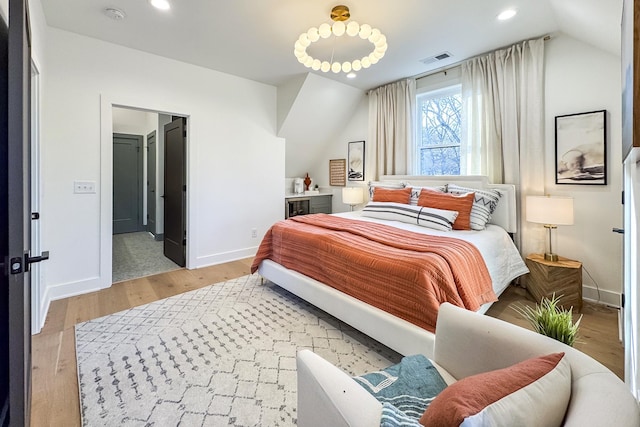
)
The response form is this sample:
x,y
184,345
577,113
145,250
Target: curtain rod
x,y
457,64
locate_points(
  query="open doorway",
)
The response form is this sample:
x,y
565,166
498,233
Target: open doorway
x,y
140,217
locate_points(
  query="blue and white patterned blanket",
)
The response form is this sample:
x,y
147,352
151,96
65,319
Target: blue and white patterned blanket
x,y
405,390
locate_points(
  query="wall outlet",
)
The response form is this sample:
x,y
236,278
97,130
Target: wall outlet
x,y
84,187
254,233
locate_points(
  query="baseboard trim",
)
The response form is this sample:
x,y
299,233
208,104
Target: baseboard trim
x,y
65,290
158,237
209,260
609,298
72,289
45,303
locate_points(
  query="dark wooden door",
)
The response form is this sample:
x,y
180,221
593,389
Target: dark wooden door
x,y
4,220
175,234
127,183
152,194
15,214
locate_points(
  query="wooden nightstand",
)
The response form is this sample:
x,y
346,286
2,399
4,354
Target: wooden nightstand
x,y
562,277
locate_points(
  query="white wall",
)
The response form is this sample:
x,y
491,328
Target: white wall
x,y
336,148
578,78
134,122
235,161
319,109
581,78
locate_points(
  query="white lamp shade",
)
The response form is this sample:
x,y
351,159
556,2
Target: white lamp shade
x,y
352,195
550,210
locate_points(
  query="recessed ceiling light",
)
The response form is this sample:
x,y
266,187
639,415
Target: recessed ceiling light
x,y
115,14
351,75
507,14
160,4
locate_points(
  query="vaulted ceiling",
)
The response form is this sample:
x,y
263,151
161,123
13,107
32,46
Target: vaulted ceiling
x,y
255,38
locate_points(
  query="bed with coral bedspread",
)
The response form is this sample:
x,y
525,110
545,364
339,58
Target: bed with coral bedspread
x,y
388,278
404,273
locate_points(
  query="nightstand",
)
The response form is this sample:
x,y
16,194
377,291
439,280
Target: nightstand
x,y
562,277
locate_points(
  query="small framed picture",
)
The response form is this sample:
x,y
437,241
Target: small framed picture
x,y
581,148
355,162
337,172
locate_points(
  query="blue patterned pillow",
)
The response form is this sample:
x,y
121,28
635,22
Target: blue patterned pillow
x,y
405,390
394,417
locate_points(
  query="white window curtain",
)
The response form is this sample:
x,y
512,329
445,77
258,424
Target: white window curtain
x,y
391,129
503,125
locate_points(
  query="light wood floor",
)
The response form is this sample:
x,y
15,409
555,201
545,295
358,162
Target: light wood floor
x,y
55,399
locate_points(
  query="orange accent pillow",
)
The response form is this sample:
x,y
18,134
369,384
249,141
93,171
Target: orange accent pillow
x,y
533,392
392,195
450,202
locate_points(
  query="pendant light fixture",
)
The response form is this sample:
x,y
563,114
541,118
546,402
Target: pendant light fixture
x,y
340,14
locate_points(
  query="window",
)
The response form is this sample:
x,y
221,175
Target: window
x,y
439,114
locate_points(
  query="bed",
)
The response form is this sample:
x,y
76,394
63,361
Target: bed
x,y
503,264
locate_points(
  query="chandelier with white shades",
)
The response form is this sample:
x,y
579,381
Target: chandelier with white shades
x,y
339,15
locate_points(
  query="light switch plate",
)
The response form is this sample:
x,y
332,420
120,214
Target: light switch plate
x,y
84,187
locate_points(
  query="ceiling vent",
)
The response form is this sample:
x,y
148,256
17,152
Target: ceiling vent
x,y
115,14
436,58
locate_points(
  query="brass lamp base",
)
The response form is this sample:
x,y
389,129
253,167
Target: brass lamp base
x,y
551,257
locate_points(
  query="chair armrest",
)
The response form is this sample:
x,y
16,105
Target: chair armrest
x,y
327,396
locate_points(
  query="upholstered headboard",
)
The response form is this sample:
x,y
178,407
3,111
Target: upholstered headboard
x,y
505,213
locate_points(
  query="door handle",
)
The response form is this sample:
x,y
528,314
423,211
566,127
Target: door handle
x,y
30,260
618,230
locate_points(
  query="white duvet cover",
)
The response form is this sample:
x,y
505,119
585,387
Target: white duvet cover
x,y
496,247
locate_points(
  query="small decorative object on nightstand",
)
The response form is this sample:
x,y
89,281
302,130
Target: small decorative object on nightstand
x,y
562,278
307,182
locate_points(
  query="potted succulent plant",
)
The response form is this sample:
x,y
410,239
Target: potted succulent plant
x,y
552,320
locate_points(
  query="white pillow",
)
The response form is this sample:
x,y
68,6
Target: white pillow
x,y
484,204
438,219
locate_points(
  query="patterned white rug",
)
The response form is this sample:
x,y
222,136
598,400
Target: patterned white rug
x,y
223,355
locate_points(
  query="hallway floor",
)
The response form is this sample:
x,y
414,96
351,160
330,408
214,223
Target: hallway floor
x,y
138,255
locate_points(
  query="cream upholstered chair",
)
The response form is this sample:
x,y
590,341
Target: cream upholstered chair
x,y
466,344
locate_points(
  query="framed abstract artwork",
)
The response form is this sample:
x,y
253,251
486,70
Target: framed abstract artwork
x,y
581,148
355,162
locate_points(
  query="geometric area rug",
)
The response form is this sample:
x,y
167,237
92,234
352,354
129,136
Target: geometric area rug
x,y
222,355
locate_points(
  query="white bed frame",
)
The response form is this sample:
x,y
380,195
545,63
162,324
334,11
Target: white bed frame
x,y
397,334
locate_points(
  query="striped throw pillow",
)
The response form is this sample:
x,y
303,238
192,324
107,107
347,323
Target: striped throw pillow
x,y
484,204
437,219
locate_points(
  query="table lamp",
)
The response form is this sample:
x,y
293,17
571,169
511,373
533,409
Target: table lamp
x,y
550,211
352,196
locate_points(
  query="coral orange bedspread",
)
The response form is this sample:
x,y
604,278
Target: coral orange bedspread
x,y
404,273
